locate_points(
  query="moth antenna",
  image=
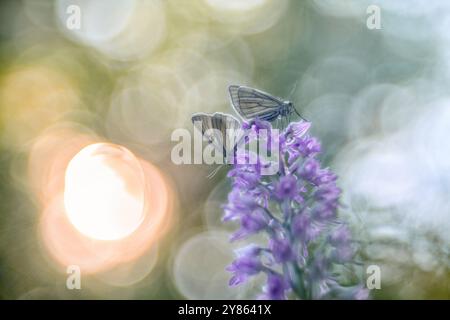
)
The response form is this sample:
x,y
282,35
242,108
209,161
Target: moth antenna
x,y
295,110
293,90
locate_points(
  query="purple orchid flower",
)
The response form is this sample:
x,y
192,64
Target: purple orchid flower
x,y
297,210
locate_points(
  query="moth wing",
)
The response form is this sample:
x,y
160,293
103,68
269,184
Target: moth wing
x,y
251,103
219,129
234,133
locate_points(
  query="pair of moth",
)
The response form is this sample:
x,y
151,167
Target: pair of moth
x,y
250,104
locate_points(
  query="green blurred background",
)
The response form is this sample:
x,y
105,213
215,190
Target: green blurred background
x,y
135,71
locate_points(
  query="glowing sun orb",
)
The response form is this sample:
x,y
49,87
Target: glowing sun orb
x,y
104,192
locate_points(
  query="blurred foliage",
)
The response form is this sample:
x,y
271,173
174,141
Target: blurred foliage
x,y
137,70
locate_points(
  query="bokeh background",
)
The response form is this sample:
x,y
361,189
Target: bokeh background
x,y
86,117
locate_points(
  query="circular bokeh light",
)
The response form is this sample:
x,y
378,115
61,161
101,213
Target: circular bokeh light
x,y
104,192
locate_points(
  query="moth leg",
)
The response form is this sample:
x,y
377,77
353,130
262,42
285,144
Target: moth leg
x,y
214,172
